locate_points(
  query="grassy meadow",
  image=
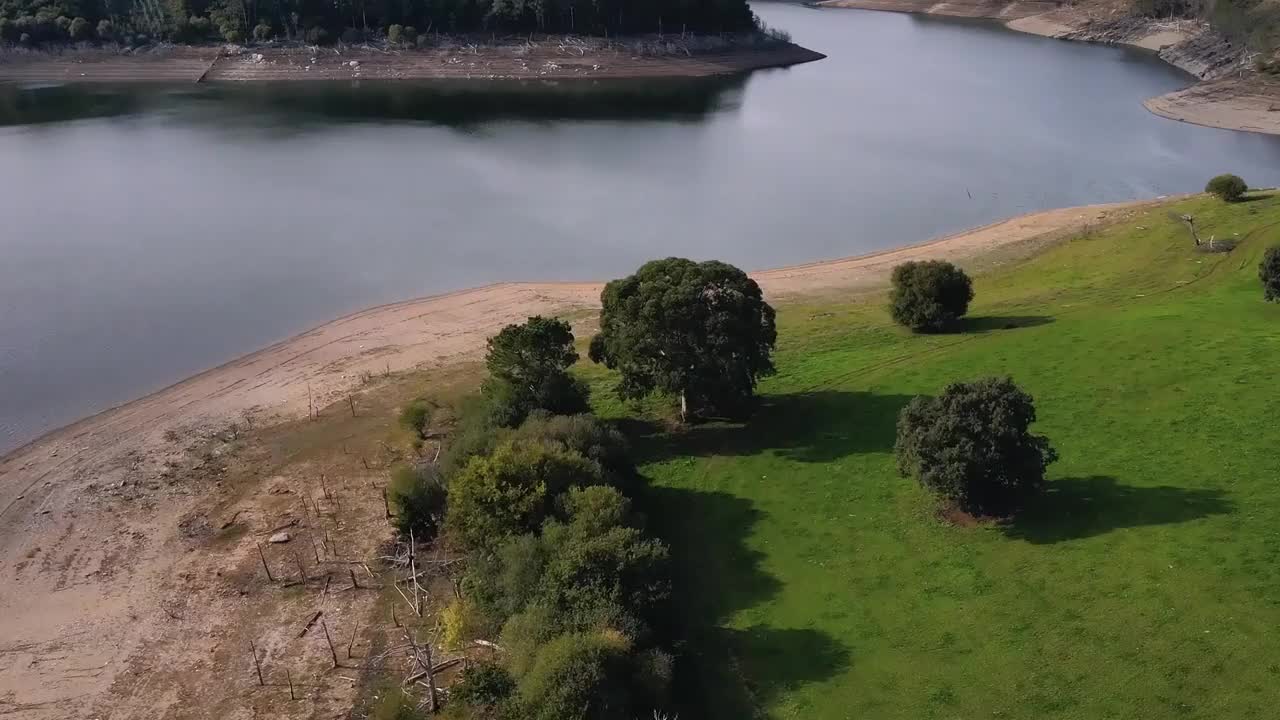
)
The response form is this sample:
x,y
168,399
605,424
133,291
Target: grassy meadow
x,y
815,582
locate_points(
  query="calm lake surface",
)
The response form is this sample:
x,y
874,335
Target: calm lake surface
x,y
148,235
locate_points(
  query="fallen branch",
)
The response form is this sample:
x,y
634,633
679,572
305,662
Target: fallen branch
x,y
310,622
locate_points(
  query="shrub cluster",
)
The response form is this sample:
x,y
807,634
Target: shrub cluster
x,y
972,446
1230,188
1269,273
929,296
560,569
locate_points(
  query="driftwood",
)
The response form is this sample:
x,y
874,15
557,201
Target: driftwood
x,y
232,521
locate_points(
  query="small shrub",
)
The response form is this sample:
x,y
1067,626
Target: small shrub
x,y
418,501
140,39
80,30
351,36
106,31
972,446
410,35
585,434
396,704
395,34
1230,188
929,296
200,27
579,676
461,622
415,416
232,34
318,36
262,32
1269,273
528,366
63,25
24,39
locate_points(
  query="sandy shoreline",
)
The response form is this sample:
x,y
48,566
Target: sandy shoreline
x,y
93,517
1226,97
539,60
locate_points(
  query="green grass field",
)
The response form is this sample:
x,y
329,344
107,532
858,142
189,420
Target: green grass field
x,y
814,582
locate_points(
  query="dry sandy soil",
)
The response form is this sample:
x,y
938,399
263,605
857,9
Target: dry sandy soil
x,y
1229,97
130,580
550,60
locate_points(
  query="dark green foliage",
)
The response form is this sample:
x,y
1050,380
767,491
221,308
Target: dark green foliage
x,y
395,704
929,296
701,331
528,370
415,416
395,34
1269,273
106,31
80,30
318,36
972,446
418,501
1230,188
262,32
483,684
512,490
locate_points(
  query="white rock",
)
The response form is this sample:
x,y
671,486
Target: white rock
x,y
280,537
354,63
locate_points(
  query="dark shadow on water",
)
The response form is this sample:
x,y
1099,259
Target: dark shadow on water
x,y
1075,508
818,427
724,672
298,106
992,323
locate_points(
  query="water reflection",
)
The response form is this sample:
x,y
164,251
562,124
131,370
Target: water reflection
x,y
295,107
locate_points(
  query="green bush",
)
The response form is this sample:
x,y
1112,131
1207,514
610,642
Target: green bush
x,y
415,417
262,32
411,35
972,446
395,34
232,35
106,31
1230,188
929,296
579,676
512,490
200,27
80,30
396,704
483,685
418,501
587,435
1269,273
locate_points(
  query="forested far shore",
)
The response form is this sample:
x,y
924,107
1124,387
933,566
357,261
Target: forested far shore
x,y
137,22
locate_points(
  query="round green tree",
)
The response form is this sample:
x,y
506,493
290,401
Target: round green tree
x,y
1230,188
1269,272
699,331
929,296
972,446
528,370
419,501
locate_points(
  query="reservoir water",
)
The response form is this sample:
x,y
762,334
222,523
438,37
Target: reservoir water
x,y
150,233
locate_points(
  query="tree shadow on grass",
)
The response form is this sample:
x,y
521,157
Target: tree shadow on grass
x,y
724,672
1076,508
1255,196
991,323
817,427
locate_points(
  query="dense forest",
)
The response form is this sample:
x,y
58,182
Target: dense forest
x,y
32,22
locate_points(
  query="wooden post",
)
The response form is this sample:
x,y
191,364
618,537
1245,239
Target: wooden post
x,y
351,401
386,505
302,571
289,677
256,665
325,488
264,563
353,640
354,585
315,550
311,405
413,572
329,640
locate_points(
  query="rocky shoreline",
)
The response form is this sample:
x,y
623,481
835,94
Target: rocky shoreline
x,y
1231,95
546,59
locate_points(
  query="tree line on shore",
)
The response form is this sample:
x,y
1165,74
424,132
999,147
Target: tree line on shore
x,y
136,22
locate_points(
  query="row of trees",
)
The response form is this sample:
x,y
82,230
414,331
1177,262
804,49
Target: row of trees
x,y
53,21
